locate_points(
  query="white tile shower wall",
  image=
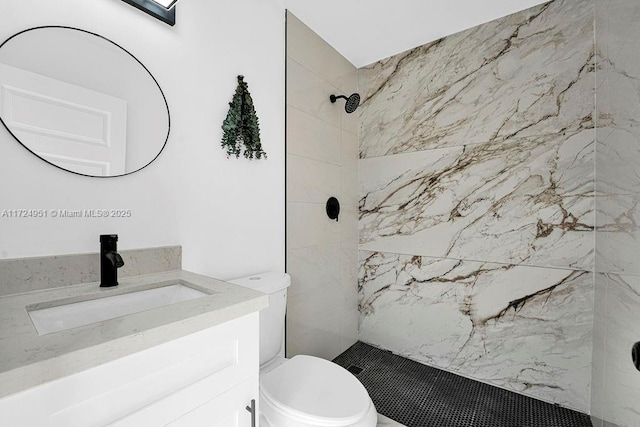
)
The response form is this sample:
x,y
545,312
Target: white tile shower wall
x,y
322,161
476,210
616,383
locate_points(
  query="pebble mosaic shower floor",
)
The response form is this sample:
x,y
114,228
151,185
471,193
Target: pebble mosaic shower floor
x,y
417,395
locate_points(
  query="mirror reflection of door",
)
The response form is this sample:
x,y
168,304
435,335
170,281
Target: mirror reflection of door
x,y
68,125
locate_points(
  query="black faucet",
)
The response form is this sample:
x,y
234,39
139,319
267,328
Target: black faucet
x,y
110,260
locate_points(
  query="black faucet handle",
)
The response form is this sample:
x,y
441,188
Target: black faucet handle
x,y
115,259
119,261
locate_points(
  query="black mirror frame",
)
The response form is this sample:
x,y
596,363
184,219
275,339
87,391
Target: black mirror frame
x,y
168,16
132,56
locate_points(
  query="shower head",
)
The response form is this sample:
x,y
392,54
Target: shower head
x,y
352,102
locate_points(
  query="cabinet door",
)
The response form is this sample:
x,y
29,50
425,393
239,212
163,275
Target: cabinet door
x,y
184,373
225,410
228,410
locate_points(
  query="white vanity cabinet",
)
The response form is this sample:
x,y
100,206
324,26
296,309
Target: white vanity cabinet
x,y
207,378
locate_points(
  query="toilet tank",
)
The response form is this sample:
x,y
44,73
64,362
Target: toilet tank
x,y
275,285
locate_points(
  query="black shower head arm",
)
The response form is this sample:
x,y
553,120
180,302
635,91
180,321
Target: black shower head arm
x,y
352,102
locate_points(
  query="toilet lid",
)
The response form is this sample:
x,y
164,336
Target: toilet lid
x,y
316,390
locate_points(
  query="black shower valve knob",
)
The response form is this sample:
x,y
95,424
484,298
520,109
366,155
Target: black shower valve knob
x,y
635,355
333,208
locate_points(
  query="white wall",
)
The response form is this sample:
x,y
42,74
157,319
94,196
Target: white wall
x,y
227,214
368,31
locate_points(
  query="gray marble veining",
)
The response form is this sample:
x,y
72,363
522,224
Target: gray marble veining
x,y
530,73
618,329
38,273
524,328
618,135
618,200
616,388
525,200
618,76
477,202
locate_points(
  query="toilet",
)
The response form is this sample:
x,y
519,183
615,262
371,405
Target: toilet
x,y
304,391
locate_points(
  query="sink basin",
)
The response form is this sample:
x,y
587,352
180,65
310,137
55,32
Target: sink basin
x,y
68,316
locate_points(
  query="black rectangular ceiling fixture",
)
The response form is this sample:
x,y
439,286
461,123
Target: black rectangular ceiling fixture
x,y
167,16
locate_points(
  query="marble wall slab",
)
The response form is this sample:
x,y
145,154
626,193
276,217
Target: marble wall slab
x,y
477,202
617,35
616,383
599,350
618,200
531,73
527,329
618,135
523,200
38,273
616,399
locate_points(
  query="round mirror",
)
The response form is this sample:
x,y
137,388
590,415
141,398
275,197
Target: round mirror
x,y
81,102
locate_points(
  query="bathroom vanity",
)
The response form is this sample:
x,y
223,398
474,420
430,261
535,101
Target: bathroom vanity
x,y
187,363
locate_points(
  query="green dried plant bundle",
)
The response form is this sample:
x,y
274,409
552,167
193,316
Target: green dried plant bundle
x,y
241,129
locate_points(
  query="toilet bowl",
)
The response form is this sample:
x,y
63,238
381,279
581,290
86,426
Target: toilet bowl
x,y
307,391
304,391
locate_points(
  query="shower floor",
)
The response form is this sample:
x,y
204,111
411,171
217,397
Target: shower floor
x,y
417,395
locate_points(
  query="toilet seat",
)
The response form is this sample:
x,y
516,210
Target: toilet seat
x,y
314,391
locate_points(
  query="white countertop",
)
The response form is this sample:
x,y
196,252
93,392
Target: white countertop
x,y
28,359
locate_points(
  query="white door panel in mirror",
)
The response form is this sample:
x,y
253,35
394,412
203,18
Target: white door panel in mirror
x,y
65,124
81,102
